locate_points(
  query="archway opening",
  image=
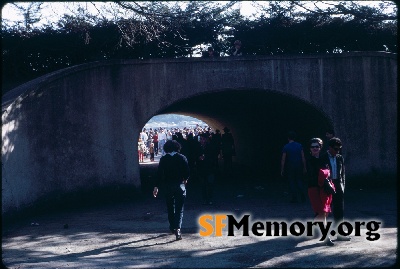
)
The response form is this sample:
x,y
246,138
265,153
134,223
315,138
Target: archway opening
x,y
259,121
159,129
164,127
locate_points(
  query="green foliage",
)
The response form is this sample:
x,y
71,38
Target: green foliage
x,y
172,32
315,34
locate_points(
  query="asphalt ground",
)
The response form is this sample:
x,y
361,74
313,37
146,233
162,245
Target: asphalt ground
x,y
134,234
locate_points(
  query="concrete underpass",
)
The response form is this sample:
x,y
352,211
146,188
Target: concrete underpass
x,y
259,122
73,133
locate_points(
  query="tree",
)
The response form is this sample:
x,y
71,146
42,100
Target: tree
x,y
30,12
383,11
304,27
357,10
146,30
206,24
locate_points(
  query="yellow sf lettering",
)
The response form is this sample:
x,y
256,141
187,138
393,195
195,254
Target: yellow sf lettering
x,y
207,221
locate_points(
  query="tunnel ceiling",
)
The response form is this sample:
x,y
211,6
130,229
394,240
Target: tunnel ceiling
x,y
252,108
258,119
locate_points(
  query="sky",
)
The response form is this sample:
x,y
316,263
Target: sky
x,y
53,10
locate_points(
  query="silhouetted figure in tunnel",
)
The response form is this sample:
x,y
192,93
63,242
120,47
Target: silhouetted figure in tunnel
x,y
293,165
330,133
206,168
216,149
178,136
172,175
228,151
193,146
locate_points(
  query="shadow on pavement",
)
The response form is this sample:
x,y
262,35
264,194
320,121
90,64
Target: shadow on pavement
x,y
134,234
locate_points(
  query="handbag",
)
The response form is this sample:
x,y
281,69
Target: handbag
x,y
324,181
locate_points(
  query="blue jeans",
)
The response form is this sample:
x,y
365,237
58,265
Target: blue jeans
x,y
175,200
161,145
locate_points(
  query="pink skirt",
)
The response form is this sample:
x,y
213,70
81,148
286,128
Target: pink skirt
x,y
320,201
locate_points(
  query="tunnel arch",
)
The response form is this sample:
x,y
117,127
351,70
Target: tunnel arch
x,y
259,120
74,129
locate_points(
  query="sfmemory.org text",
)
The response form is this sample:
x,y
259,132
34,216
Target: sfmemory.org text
x,y
215,224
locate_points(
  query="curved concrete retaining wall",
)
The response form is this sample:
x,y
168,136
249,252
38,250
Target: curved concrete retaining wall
x,y
77,128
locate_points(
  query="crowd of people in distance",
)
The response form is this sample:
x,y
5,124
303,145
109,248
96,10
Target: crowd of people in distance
x,y
195,141
158,137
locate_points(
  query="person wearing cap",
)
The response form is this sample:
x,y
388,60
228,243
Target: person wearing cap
x,y
236,50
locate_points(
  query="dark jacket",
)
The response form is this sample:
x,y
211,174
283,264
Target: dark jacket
x,y
341,175
313,165
205,166
227,145
172,171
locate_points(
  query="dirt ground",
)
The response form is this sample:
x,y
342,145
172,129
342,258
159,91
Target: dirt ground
x,y
136,235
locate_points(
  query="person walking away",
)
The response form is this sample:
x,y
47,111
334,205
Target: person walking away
x,y
172,176
206,168
193,146
228,150
293,165
216,146
155,141
320,201
335,161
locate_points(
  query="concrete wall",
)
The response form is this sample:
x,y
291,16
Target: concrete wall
x,y
77,128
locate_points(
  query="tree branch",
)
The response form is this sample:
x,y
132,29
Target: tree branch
x,y
354,9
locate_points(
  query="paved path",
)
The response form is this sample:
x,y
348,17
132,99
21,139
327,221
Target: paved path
x,y
135,234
